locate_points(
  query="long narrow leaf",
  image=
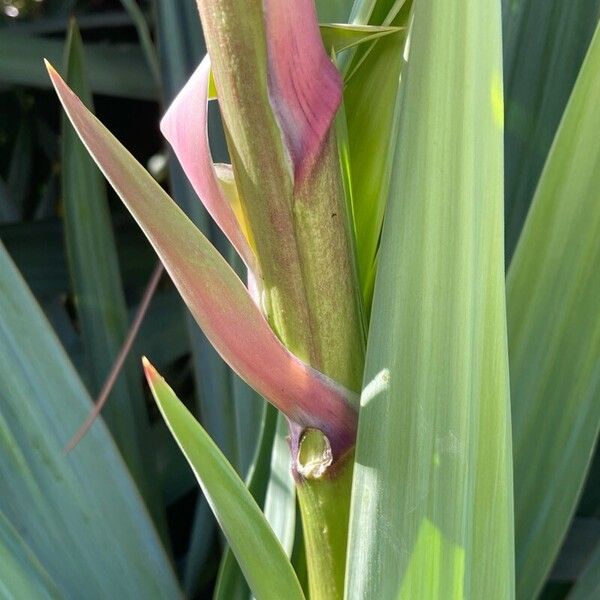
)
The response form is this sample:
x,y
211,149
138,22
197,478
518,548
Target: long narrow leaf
x,y
258,552
21,574
213,292
97,286
588,583
432,492
116,70
181,48
80,514
553,295
372,116
545,42
230,580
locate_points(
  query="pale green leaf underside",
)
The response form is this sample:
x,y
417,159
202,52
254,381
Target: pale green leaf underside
x,y
432,495
79,514
257,550
553,295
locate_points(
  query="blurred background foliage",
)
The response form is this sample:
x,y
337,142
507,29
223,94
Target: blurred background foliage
x,y
137,56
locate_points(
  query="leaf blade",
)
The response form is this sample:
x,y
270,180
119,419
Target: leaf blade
x,y
222,306
98,288
432,479
554,334
63,513
259,554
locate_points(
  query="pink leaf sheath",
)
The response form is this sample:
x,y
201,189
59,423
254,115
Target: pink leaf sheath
x,y
304,86
214,294
185,126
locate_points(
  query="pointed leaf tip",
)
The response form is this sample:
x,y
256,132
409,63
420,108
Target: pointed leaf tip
x,y
217,298
150,372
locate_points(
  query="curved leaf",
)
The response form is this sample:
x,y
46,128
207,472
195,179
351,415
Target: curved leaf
x,y
214,294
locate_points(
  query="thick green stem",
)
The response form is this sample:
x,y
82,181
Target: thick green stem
x,y
325,505
299,228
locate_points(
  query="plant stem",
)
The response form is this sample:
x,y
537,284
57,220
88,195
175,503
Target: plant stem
x,y
325,506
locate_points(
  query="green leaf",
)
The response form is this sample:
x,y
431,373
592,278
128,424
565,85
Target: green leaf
x,y
545,42
19,178
143,31
588,583
340,36
67,508
432,492
257,550
553,294
280,497
116,70
98,290
230,580
333,11
370,101
21,574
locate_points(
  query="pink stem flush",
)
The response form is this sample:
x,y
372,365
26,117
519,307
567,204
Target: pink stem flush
x,y
185,126
216,297
305,88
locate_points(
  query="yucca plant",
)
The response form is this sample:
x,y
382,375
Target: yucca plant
x,y
440,414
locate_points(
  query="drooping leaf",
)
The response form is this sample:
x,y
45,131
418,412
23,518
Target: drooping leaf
x,y
98,289
545,42
216,297
432,490
79,514
553,294
257,550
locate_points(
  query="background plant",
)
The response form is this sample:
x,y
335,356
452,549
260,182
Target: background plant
x,y
563,436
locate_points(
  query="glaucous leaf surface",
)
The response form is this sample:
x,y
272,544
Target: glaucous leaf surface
x,y
98,289
545,42
433,479
553,295
79,514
